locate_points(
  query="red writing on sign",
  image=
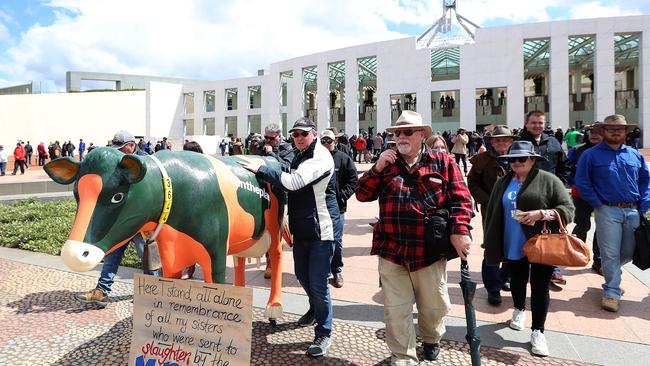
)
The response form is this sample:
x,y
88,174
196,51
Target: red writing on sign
x,y
168,352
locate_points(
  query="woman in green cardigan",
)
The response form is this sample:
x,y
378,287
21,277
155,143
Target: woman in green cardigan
x,y
519,202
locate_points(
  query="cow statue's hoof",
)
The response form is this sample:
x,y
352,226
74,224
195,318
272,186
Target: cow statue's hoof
x,y
273,322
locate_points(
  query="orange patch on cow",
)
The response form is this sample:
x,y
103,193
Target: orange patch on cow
x,y
242,223
88,188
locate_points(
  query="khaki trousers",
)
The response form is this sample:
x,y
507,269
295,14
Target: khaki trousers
x,y
427,288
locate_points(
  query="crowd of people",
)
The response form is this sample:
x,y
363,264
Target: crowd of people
x,y
518,178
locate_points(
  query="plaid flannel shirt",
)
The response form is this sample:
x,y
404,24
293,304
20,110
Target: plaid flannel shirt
x,y
399,234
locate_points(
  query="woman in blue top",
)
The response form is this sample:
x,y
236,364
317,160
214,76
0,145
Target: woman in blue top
x,y
519,202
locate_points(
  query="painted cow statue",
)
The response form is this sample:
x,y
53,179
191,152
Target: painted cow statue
x,y
217,208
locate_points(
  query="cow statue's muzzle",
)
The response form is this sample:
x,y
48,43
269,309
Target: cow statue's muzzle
x,y
80,256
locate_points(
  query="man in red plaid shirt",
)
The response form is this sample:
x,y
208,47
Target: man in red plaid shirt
x,y
407,273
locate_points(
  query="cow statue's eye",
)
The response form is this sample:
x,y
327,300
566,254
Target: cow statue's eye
x,y
117,197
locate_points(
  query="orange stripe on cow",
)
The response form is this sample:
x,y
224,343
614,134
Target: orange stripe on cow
x,y
88,188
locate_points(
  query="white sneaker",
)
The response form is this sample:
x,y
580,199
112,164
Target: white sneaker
x,y
538,341
518,319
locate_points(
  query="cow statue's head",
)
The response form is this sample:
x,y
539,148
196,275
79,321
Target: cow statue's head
x,y
111,205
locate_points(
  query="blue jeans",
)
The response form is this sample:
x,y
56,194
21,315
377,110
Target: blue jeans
x,y
3,167
615,228
337,259
112,262
312,259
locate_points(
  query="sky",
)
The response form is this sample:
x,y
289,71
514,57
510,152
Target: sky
x,y
215,40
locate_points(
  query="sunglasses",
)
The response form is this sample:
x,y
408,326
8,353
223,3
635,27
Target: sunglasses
x,y
406,133
270,137
326,141
300,133
521,159
614,130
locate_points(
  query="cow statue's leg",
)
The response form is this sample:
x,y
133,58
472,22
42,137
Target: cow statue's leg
x,y
274,305
240,271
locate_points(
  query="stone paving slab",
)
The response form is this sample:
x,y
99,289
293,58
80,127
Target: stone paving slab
x,y
42,324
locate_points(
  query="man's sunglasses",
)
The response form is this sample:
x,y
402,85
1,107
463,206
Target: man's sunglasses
x,y
326,141
300,133
521,159
406,133
270,137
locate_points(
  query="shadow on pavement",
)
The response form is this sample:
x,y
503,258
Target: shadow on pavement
x,y
112,347
62,300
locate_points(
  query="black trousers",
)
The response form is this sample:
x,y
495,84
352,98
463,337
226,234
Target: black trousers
x,y
583,224
463,158
540,278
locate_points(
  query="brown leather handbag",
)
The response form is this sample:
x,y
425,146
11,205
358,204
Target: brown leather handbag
x,y
560,249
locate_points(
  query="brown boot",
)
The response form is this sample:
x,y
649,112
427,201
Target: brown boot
x,y
95,296
267,271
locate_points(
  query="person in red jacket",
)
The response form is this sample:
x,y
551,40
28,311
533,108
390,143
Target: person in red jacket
x,y
19,159
42,154
360,146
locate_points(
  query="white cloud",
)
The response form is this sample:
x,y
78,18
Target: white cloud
x,y
199,39
209,40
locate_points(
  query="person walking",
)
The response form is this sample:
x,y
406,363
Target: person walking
x,y
360,146
124,142
346,182
614,179
555,159
42,154
3,160
486,169
82,149
460,148
19,159
29,151
584,210
313,217
273,146
519,202
408,272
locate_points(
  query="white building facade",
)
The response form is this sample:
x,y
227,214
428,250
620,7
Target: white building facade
x,y
576,71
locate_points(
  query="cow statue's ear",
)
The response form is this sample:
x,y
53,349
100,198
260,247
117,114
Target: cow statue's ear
x,y
133,168
63,170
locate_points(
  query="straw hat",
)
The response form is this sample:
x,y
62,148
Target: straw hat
x,y
614,120
410,120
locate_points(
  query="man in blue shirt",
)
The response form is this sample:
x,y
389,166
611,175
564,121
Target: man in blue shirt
x,y
614,179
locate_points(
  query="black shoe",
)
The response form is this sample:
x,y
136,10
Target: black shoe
x,y
494,298
319,346
505,286
308,319
431,351
337,281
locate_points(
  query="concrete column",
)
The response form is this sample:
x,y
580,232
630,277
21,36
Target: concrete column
x,y
644,87
559,82
604,104
295,96
351,97
467,107
220,111
323,92
242,112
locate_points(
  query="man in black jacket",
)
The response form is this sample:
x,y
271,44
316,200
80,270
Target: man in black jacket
x,y
272,145
346,182
545,145
550,148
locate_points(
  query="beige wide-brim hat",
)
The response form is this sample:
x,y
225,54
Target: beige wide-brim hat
x,y
613,120
410,120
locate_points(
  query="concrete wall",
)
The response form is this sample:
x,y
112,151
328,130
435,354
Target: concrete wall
x,y
95,117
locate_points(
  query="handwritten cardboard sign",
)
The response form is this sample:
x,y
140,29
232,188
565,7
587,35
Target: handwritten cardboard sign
x,y
178,323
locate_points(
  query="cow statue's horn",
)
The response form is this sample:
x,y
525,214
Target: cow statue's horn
x,y
81,257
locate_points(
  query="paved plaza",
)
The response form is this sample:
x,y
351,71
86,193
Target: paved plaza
x,y
42,323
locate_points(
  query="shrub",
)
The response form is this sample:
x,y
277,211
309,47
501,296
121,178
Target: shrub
x,y
43,227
